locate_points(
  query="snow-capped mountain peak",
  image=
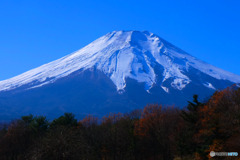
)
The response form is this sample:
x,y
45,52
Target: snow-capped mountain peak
x,y
121,55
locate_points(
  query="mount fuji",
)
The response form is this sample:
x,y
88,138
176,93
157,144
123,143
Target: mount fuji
x,y
118,72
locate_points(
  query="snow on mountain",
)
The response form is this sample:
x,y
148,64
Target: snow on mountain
x,y
122,54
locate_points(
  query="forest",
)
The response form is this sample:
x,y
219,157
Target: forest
x,y
156,132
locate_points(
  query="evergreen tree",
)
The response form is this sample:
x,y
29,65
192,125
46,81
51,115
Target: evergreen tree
x,y
66,120
39,124
185,141
191,115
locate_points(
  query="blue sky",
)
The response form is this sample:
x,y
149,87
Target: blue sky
x,y
33,32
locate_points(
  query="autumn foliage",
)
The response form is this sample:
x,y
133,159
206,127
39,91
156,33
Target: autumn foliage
x,y
219,121
152,133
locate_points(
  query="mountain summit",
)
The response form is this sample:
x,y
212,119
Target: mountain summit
x,y
134,62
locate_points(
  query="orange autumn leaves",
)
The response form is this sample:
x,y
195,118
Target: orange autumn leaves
x,y
219,121
156,119
217,124
158,128
156,132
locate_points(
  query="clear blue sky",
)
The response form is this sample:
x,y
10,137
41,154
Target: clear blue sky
x,y
34,32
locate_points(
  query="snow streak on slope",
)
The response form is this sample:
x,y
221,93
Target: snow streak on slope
x,y
122,54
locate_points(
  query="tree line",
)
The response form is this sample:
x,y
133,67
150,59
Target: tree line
x,y
152,133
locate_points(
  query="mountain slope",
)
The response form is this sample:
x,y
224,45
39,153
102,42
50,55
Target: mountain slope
x,y
122,54
158,70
